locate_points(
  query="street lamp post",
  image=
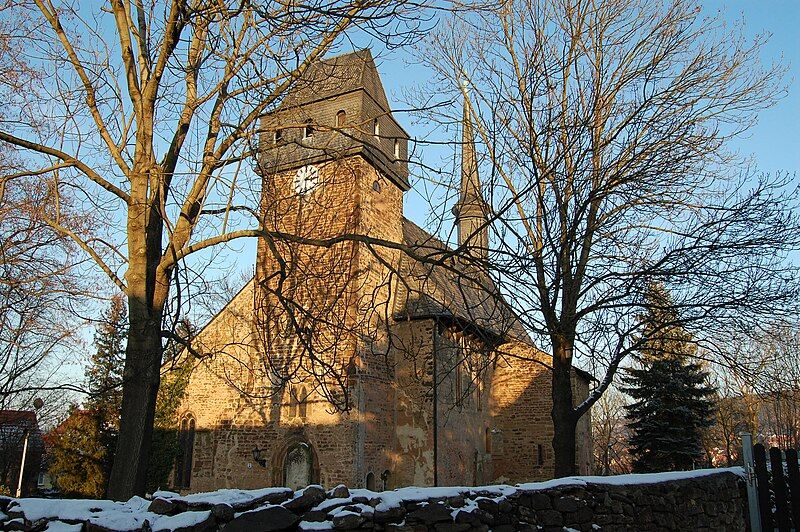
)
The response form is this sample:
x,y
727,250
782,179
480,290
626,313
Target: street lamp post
x,y
22,465
37,404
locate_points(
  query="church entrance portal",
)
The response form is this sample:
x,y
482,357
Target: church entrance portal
x,y
298,466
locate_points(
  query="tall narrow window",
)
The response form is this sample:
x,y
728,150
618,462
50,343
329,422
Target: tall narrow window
x,y
302,402
183,465
376,128
461,354
308,131
293,402
341,118
540,454
487,444
278,136
396,149
370,481
385,476
459,384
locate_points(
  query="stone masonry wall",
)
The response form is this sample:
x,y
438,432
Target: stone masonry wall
x,y
695,500
521,401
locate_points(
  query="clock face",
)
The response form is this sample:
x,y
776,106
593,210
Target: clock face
x,y
306,179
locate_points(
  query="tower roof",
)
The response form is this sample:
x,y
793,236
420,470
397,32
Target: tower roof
x,y
338,75
470,196
337,108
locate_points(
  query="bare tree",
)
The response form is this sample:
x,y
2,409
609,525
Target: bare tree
x,y
151,122
603,128
610,434
776,385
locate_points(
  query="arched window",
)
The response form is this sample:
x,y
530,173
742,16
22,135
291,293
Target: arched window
x,y
376,128
183,464
370,481
341,118
396,149
308,131
298,402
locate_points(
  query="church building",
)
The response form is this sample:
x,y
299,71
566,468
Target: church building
x,y
364,351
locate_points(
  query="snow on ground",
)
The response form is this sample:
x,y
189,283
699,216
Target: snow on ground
x,y
129,515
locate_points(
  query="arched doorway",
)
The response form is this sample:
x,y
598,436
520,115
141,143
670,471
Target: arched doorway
x,y
298,466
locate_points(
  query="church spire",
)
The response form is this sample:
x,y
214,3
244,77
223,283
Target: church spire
x,y
471,210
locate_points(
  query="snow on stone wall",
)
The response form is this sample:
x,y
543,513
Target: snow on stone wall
x,y
697,500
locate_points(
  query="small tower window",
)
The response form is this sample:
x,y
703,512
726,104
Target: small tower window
x,y
487,443
540,454
278,136
376,128
308,131
341,118
396,149
371,481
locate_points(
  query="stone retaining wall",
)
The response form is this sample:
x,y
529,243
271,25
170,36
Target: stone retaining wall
x,y
700,500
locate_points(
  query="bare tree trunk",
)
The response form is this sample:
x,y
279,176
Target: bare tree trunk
x,y
142,376
148,286
563,414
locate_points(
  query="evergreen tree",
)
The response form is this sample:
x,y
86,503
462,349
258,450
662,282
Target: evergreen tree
x,y
673,402
104,377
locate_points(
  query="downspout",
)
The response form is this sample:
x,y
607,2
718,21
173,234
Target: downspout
x,y
435,403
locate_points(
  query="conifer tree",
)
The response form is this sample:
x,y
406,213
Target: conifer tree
x,y
104,375
104,378
672,400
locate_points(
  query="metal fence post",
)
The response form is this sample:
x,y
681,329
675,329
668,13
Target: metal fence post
x,y
750,477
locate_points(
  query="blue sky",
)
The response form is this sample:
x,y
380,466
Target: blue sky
x,y
772,143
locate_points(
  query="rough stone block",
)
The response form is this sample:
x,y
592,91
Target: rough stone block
x,y
430,514
272,518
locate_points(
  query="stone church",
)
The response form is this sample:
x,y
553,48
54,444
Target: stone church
x,y
364,351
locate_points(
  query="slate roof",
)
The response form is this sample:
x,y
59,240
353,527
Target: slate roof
x,y
331,77
20,417
454,290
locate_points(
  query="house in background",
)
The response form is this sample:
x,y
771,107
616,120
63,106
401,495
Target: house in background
x,y
20,437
